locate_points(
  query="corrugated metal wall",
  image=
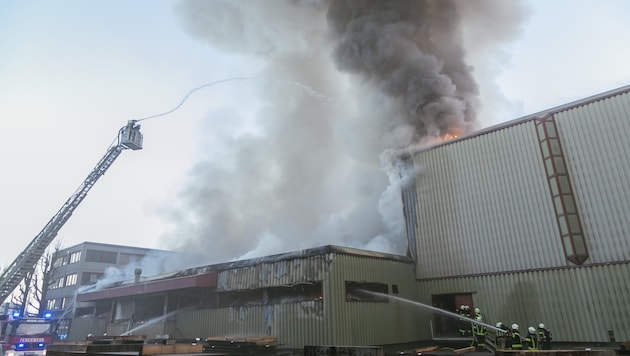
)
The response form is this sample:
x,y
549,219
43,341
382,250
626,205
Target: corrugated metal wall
x,y
484,205
371,323
81,327
578,304
330,321
596,142
267,274
293,324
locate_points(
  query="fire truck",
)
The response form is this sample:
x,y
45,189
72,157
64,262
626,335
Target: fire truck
x,y
25,336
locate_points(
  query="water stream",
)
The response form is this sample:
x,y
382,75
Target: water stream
x,y
435,309
149,322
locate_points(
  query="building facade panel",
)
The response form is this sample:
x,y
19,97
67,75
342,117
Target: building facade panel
x,y
278,273
293,324
578,304
484,205
370,322
597,149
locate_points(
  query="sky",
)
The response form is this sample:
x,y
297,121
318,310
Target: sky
x,y
278,141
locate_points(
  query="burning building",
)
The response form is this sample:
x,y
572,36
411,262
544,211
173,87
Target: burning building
x,y
317,296
526,220
529,219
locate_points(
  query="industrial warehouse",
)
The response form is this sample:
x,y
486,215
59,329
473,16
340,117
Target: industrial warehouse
x,y
526,220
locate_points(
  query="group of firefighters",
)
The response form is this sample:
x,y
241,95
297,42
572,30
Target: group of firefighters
x,y
506,338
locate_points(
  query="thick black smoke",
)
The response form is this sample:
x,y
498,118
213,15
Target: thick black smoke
x,y
341,84
413,52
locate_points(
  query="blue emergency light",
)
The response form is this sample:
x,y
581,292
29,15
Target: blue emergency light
x,y
16,314
47,315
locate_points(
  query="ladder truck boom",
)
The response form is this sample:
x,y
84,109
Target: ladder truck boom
x,y
129,137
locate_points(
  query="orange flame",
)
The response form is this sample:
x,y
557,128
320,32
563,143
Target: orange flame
x,y
447,137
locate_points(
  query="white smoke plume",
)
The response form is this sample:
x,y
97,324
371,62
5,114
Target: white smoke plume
x,y
310,173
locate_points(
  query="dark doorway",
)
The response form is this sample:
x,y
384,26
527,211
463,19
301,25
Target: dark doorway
x,y
446,326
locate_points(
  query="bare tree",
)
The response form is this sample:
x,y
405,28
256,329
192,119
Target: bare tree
x,y
47,271
30,295
21,294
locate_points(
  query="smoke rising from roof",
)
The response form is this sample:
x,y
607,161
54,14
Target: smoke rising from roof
x,y
310,173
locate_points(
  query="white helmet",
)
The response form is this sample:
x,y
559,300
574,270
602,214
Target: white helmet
x,y
477,310
462,307
541,325
531,330
499,325
515,326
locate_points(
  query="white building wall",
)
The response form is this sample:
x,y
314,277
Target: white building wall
x,y
484,205
580,304
596,143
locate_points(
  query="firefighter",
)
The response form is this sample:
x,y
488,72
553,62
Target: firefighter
x,y
461,322
501,335
479,334
544,337
478,314
467,323
531,340
514,340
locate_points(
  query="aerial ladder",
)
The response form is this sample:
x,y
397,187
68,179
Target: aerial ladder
x,y
129,137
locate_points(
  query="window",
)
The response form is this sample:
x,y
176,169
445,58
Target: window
x,y
56,283
61,261
295,293
300,292
148,308
90,278
75,257
127,258
50,304
71,279
366,292
394,288
101,256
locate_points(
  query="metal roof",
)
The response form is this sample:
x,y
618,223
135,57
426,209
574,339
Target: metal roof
x,y
536,116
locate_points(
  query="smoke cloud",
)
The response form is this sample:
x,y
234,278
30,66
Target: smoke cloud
x,y
341,85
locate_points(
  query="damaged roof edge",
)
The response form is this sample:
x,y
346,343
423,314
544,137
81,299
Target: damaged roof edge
x,y
140,286
541,115
307,253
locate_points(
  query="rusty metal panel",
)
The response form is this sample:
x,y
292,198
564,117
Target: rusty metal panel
x,y
597,149
293,324
267,274
332,320
578,304
484,205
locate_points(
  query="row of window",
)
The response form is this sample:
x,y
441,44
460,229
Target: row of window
x,y
65,281
98,256
67,259
150,307
56,304
72,279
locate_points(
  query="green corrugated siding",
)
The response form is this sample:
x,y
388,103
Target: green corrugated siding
x,y
267,274
330,321
578,304
294,325
372,323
